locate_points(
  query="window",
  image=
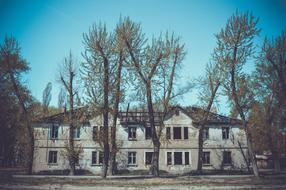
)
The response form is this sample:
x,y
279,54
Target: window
x,y
53,157
169,158
94,157
187,158
205,133
178,158
131,158
76,133
206,158
226,157
225,133
54,132
177,133
95,133
100,157
186,133
131,133
168,132
148,158
148,132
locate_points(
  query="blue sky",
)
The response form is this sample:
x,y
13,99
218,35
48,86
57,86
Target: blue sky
x,y
47,30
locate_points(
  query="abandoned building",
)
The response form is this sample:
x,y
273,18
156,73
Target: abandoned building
x,y
224,142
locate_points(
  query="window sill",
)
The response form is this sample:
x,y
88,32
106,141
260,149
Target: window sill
x,y
52,164
96,164
132,165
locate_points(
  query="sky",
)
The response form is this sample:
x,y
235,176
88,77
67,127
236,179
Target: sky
x,y
48,30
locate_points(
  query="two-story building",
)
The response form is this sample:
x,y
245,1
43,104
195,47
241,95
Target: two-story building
x,y
224,142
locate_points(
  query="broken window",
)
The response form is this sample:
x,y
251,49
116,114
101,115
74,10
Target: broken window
x,y
177,133
225,133
169,158
131,133
205,133
148,158
178,158
94,157
226,157
54,131
131,158
53,157
187,158
76,133
148,132
168,132
186,133
206,158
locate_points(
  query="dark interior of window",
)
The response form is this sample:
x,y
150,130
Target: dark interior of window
x,y
187,158
168,132
148,133
178,158
177,133
169,158
186,133
148,158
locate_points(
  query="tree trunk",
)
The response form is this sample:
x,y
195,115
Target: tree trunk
x,y
112,167
200,151
105,119
155,160
71,131
244,156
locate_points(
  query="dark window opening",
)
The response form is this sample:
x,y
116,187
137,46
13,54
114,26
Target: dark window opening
x,y
226,157
225,133
53,157
206,157
100,157
54,133
148,132
94,157
169,158
178,158
186,133
95,133
131,133
205,133
148,158
187,158
168,132
177,132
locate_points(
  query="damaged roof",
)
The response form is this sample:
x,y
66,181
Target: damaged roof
x,y
142,117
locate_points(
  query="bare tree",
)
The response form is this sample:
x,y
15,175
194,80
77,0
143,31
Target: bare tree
x,y
47,96
146,62
13,65
234,47
270,85
209,85
67,78
103,68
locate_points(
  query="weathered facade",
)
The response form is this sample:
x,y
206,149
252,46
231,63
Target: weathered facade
x,y
224,142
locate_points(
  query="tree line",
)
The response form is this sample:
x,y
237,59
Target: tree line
x,y
117,60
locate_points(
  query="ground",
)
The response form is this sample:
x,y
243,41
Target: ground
x,y
224,182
